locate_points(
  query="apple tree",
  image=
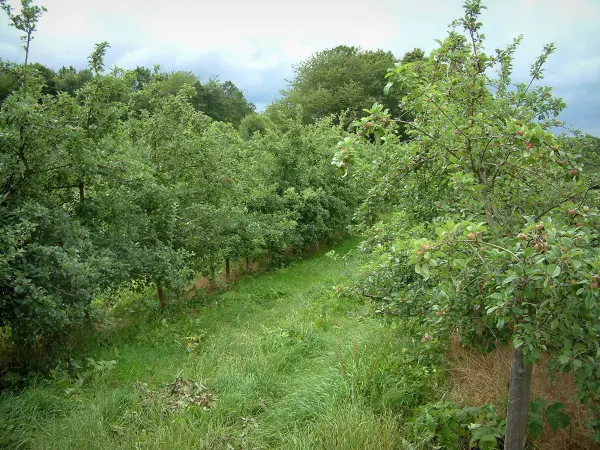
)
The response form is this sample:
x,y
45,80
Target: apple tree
x,y
494,229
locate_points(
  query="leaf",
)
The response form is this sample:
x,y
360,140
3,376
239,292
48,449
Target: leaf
x,y
536,424
554,270
500,323
555,417
488,442
537,405
590,302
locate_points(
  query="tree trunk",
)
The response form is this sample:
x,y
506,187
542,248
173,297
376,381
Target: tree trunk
x,y
27,46
227,271
213,277
161,295
518,402
81,192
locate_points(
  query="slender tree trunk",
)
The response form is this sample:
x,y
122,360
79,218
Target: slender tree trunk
x,y
161,295
27,47
227,269
518,402
81,192
213,277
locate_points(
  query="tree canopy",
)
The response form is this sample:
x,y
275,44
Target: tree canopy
x,y
343,79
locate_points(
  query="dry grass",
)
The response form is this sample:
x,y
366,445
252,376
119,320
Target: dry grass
x,y
479,379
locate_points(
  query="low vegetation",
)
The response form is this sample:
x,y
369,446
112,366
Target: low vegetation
x,y
274,361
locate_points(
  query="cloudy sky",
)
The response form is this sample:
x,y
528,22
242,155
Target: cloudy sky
x,y
254,43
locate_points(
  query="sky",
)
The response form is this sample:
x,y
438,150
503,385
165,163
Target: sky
x,y
255,43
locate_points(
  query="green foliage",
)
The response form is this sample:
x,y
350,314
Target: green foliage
x,y
221,101
253,123
495,224
443,425
555,417
341,79
224,102
113,176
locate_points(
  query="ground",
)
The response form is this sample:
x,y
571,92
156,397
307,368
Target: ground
x,y
277,360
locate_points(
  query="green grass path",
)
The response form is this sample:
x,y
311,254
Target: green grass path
x,y
290,365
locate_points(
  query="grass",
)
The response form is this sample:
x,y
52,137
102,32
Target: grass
x,y
276,360
479,378
279,360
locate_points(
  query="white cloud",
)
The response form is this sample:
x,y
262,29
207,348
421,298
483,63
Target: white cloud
x,y
254,43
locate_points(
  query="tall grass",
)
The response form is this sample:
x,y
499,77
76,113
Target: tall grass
x,y
289,363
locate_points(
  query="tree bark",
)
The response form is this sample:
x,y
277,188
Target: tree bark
x,y
161,295
518,402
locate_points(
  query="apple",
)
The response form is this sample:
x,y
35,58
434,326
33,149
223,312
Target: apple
x,y
472,236
573,172
520,133
522,236
571,212
539,227
538,247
